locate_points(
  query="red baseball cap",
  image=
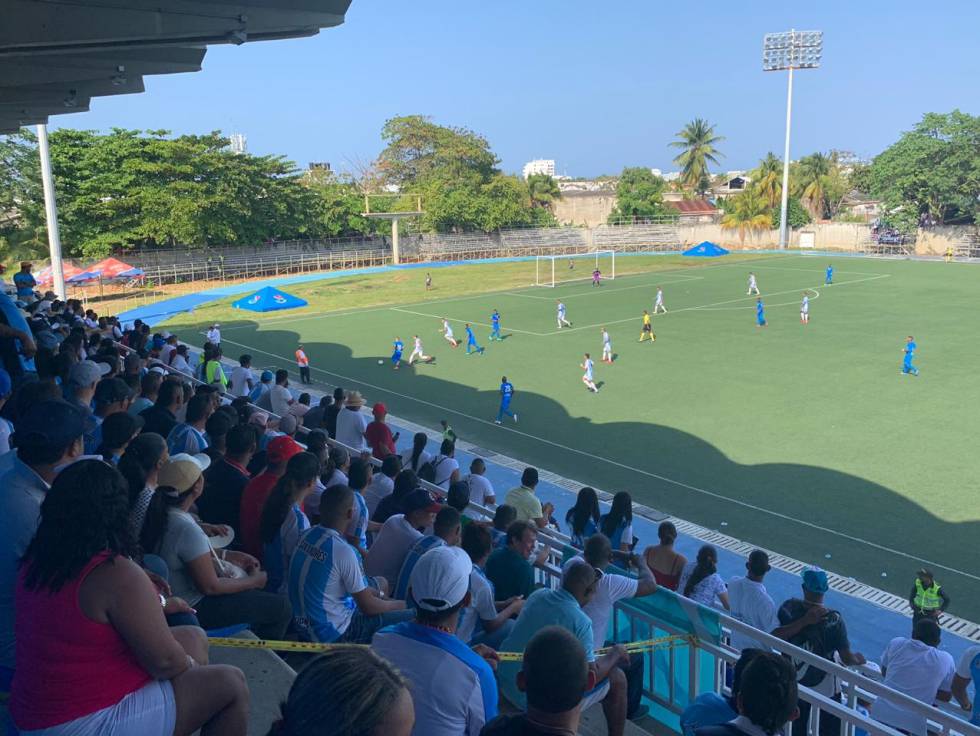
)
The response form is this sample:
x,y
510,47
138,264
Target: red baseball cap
x,y
379,409
282,448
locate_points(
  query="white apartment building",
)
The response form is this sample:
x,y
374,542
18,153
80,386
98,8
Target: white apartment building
x,y
539,166
238,143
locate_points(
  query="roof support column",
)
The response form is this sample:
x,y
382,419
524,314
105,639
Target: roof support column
x,y
51,212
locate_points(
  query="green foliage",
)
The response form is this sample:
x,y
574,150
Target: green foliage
x,y
639,194
796,214
768,179
544,190
746,212
697,140
933,169
456,173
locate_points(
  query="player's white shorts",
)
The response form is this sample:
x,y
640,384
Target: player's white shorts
x,y
606,350
415,354
587,378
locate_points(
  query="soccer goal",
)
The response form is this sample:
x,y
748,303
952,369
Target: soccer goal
x,y
554,270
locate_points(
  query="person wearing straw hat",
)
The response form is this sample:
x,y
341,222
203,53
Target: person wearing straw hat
x,y
352,423
466,698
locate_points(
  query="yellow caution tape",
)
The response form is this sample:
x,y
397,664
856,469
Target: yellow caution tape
x,y
634,647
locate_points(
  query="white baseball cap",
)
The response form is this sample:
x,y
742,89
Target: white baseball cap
x,y
441,578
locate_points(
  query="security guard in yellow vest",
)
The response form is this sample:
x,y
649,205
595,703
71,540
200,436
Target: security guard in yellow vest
x,y
928,599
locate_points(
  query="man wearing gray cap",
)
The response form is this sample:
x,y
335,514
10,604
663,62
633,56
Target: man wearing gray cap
x,y
46,439
82,379
426,650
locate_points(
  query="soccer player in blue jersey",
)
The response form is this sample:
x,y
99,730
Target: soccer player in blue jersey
x,y
562,322
506,394
829,278
471,345
760,312
396,356
909,351
495,322
588,378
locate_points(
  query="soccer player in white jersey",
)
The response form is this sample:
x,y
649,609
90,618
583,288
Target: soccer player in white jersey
x,y
606,347
588,378
447,332
562,322
805,309
753,285
658,304
418,352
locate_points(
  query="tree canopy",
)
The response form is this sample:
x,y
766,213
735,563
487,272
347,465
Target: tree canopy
x,y
639,194
698,142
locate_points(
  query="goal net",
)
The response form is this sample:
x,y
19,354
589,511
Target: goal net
x,y
555,270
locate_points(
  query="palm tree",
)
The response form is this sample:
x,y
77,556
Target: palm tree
x,y
698,140
767,178
746,212
812,177
543,189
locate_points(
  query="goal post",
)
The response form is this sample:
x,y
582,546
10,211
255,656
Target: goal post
x,y
553,271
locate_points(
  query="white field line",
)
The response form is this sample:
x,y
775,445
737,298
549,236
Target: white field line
x,y
604,290
608,461
472,322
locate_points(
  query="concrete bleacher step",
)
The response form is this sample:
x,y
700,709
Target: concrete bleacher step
x,y
269,679
593,723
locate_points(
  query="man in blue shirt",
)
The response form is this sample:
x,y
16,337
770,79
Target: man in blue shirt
x,y
495,322
909,351
25,282
471,341
396,355
506,394
563,607
712,709
760,312
830,275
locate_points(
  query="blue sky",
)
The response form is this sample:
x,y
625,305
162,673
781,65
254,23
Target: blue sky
x,y
595,86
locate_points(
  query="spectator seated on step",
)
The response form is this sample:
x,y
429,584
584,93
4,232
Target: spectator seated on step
x,y
509,568
399,534
766,702
712,709
486,620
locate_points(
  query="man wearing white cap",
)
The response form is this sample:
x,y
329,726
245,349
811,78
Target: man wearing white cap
x,y
426,651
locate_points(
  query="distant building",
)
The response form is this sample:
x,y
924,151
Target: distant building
x,y
539,166
733,185
694,210
323,166
238,143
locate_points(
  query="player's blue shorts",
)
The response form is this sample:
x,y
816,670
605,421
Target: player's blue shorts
x,y
396,357
761,320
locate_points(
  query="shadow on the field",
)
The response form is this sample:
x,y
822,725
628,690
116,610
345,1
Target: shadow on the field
x,y
811,511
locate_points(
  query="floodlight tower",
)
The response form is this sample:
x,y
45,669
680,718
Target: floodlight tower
x,y
788,51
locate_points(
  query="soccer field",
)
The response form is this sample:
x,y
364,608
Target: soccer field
x,y
807,440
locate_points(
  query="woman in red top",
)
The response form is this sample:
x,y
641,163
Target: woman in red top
x,y
94,651
666,564
378,435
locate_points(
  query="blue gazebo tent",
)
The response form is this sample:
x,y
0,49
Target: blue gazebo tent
x,y
269,299
706,249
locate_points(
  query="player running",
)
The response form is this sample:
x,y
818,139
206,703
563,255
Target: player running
x,y
396,355
753,286
805,309
471,345
646,333
606,347
658,304
588,378
447,332
760,312
909,351
596,277
829,277
506,394
418,352
495,326
561,316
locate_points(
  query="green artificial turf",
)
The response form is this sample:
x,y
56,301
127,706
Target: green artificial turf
x,y
805,440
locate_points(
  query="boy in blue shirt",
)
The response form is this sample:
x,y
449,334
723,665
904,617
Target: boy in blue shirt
x,y
760,312
495,322
506,394
909,351
471,341
830,275
396,356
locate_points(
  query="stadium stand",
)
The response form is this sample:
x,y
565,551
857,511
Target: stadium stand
x,y
684,647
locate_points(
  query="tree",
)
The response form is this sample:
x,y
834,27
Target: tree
x,y
932,170
747,211
811,176
698,141
639,194
796,214
768,179
544,191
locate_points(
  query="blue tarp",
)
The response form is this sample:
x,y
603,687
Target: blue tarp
x,y
268,300
706,249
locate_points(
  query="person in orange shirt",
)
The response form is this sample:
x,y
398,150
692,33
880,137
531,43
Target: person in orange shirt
x,y
304,365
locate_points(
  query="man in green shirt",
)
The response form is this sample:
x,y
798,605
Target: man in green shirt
x,y
529,507
508,568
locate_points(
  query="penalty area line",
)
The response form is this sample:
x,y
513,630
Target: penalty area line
x,y
623,466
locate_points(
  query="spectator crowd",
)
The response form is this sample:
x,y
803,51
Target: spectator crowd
x,y
148,497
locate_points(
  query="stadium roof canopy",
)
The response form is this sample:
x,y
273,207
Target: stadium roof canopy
x,y
56,55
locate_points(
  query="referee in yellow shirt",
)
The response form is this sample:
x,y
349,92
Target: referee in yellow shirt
x,y
647,331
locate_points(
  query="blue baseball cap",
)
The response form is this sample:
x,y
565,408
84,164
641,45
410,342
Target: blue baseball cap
x,y
815,580
267,376
5,385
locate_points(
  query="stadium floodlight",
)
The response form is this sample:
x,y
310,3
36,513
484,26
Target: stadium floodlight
x,y
785,52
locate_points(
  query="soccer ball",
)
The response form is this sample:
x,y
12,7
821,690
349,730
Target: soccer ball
x,y
381,362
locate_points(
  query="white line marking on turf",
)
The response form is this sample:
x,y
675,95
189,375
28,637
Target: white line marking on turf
x,y
482,324
608,290
649,474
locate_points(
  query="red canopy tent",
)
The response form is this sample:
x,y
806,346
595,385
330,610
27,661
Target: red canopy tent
x,y
44,275
109,268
